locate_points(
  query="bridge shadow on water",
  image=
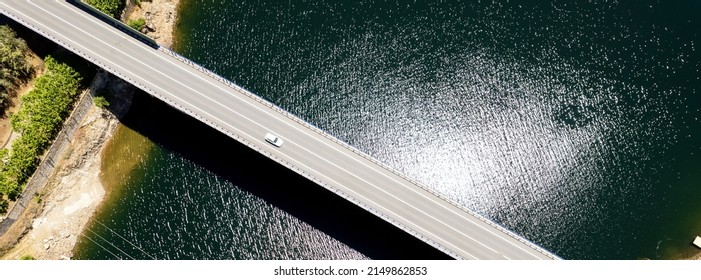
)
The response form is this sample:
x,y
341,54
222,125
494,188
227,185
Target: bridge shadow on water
x,y
273,183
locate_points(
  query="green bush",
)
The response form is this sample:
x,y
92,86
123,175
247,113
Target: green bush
x,y
27,258
100,102
3,205
38,197
137,24
38,120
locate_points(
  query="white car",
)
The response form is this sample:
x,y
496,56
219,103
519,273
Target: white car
x,y
272,139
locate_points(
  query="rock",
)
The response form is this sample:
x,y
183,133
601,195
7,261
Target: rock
x,y
150,27
46,246
38,222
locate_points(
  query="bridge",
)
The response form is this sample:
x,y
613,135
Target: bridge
x,y
243,116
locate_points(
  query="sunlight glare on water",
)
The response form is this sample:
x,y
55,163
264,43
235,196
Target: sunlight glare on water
x,y
575,125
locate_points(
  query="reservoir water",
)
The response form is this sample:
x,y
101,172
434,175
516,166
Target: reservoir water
x,y
575,125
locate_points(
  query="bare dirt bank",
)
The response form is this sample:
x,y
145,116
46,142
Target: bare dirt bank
x,y
160,16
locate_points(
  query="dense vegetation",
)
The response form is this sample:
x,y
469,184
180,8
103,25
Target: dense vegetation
x,y
13,63
38,120
109,7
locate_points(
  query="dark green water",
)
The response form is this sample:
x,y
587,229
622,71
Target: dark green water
x,y
575,125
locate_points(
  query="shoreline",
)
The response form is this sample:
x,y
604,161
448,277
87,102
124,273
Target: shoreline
x,y
696,257
50,229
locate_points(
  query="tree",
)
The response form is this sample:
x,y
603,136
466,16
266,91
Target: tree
x,y
13,62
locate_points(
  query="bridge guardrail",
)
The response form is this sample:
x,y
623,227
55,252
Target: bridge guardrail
x,y
114,22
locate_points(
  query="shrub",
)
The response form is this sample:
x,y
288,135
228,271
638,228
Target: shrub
x,y
100,102
137,24
3,205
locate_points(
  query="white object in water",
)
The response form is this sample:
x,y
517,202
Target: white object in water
x,y
697,242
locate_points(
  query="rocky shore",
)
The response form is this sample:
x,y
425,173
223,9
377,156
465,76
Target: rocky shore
x,y
160,16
